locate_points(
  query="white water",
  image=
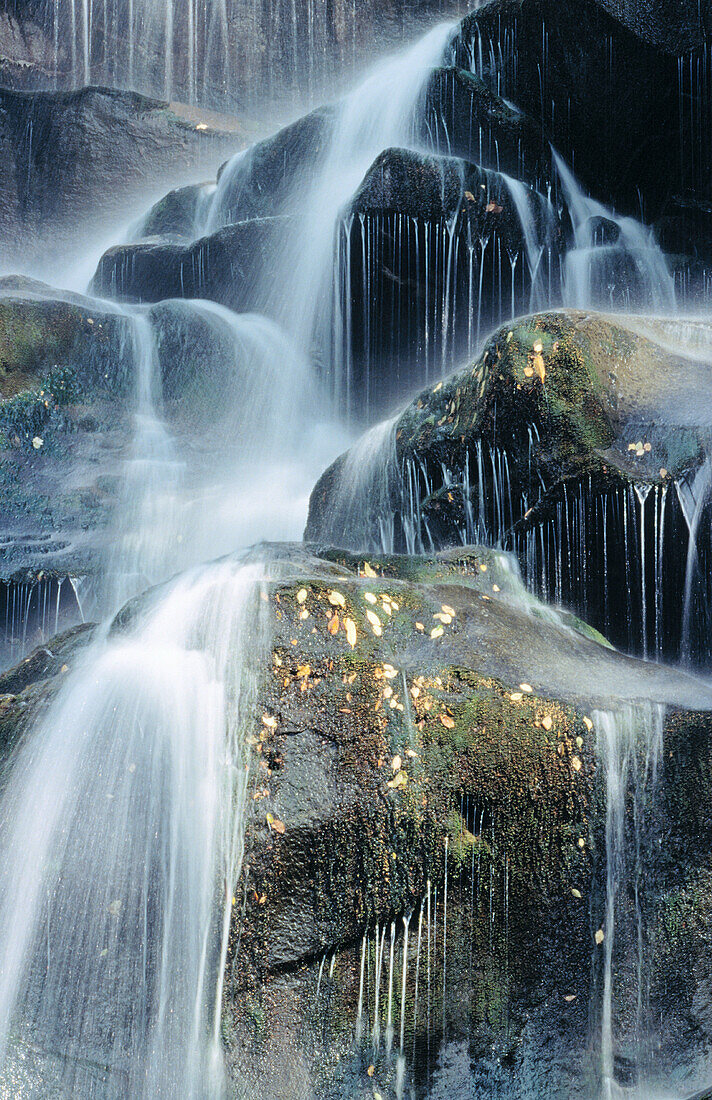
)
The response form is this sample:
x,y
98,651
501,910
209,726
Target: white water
x,y
629,742
381,112
117,895
591,277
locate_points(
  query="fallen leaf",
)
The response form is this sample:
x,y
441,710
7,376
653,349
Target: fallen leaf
x,y
493,208
333,624
447,609
370,597
588,723
447,721
576,763
302,671
336,599
469,196
516,696
527,688
599,936
368,571
301,595
269,721
350,628
373,619
396,763
437,632
547,722
576,893
371,1070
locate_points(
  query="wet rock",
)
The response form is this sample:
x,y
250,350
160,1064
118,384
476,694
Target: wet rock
x,y
387,756
86,158
562,412
551,62
222,267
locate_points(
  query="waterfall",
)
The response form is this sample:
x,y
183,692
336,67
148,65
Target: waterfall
x,y
614,262
630,742
145,525
116,897
381,112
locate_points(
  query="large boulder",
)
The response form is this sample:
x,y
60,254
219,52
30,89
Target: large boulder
x,y
85,159
570,431
426,749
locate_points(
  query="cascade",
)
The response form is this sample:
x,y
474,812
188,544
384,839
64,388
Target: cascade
x,y
117,900
630,746
141,837
614,262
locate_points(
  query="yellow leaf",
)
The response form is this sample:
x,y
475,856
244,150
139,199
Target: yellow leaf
x,y
396,763
516,696
302,671
547,722
337,599
588,724
447,721
447,609
350,628
333,624
269,721
599,936
469,196
373,618
576,893
419,626
301,595
437,632
576,763
526,687
368,571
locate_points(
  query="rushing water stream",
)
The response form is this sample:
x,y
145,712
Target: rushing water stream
x,y
122,817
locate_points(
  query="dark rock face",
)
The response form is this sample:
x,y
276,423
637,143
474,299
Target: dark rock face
x,y
222,267
562,413
572,68
85,158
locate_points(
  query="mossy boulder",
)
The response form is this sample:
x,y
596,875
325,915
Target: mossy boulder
x,y
423,730
562,411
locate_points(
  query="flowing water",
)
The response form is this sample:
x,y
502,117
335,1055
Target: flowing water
x,y
117,897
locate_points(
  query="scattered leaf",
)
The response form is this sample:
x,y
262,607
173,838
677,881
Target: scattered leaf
x,y
599,936
437,632
576,893
576,763
269,721
301,595
526,688
469,196
547,722
447,721
303,671
336,599
396,763
368,571
588,723
350,628
516,696
333,624
493,208
370,597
